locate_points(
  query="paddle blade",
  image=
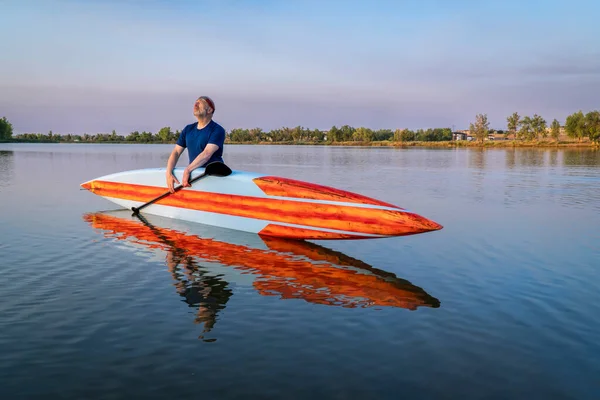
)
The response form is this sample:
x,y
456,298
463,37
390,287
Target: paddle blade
x,y
217,168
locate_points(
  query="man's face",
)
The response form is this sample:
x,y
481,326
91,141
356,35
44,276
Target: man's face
x,y
201,108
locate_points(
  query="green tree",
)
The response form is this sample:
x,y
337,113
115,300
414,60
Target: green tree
x,y
286,134
419,133
164,134
257,134
347,132
276,135
526,131
481,127
239,135
592,125
132,137
398,135
334,135
513,123
429,135
441,134
6,129
383,134
538,125
575,125
146,137
318,135
363,135
408,136
297,134
555,129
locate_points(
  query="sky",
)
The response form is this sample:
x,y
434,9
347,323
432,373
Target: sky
x,y
93,66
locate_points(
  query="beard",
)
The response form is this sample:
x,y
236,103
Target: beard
x,y
201,112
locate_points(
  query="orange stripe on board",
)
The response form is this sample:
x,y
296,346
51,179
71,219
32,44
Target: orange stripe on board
x,y
344,218
317,253
275,186
291,232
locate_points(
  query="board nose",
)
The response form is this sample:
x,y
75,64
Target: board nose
x,y
428,225
87,185
408,223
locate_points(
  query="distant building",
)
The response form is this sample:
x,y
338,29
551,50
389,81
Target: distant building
x,y
459,135
497,136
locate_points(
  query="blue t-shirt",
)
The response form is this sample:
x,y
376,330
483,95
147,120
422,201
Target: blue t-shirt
x,y
195,140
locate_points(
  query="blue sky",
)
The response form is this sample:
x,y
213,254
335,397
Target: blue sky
x,y
93,66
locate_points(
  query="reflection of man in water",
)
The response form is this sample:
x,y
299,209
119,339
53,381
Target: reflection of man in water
x,y
208,293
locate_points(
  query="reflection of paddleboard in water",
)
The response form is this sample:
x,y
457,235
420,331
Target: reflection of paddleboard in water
x,y
273,266
267,205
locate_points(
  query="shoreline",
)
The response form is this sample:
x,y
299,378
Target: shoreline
x,y
446,144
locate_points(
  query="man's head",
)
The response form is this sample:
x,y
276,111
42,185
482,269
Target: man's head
x,y
204,107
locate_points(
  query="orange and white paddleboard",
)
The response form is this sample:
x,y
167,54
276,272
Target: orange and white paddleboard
x,y
262,204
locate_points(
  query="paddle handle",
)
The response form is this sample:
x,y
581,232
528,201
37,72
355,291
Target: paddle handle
x,y
136,210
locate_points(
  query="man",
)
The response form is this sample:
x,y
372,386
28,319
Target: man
x,y
203,139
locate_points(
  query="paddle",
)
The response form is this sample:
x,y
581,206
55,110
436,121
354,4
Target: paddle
x,y
215,168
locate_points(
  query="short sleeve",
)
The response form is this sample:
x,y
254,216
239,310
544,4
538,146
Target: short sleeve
x,y
181,140
217,137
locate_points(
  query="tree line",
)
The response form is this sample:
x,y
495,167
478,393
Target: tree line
x,y
297,134
577,126
164,135
343,134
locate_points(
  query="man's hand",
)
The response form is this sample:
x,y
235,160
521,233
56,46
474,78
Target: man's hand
x,y
171,181
170,165
186,178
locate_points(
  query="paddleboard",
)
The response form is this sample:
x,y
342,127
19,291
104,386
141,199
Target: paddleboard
x,y
262,204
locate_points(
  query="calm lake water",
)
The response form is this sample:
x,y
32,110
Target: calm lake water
x,y
504,302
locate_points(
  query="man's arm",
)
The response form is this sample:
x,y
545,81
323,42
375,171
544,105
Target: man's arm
x,y
171,165
202,158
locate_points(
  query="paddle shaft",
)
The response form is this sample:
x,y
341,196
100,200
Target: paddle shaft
x,y
136,210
